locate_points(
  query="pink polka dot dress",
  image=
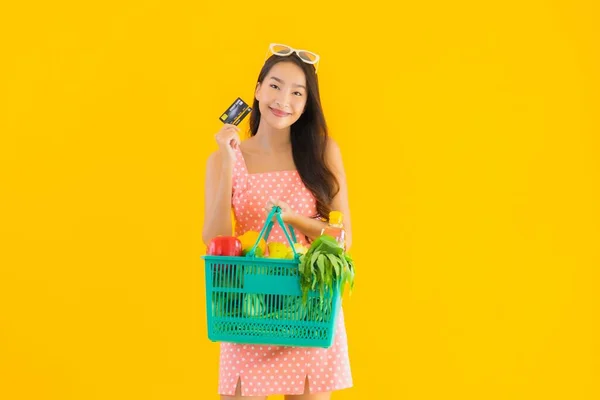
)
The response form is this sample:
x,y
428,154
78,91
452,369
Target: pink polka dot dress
x,y
269,370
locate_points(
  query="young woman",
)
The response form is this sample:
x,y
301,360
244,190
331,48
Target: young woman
x,y
288,161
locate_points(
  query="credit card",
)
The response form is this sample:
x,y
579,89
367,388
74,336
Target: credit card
x,y
236,112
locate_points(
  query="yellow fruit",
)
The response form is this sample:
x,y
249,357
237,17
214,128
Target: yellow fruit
x,y
277,250
248,239
300,249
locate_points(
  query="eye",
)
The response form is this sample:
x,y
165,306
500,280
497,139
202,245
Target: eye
x,y
298,93
274,86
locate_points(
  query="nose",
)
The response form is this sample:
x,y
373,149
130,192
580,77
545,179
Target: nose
x,y
283,100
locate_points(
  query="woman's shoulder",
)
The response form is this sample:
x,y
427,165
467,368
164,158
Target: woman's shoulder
x,y
333,152
331,144
215,158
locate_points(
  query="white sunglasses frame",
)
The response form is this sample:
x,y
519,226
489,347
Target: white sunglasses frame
x,y
293,50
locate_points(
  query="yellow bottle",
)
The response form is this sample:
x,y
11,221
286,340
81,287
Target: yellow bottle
x,y
335,228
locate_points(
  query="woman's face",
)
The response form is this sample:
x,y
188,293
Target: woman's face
x,y
282,95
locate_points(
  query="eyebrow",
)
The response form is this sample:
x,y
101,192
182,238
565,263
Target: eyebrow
x,y
282,82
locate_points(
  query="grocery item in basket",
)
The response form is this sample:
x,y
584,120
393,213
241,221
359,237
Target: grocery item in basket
x,y
248,240
224,246
277,250
253,305
300,249
324,265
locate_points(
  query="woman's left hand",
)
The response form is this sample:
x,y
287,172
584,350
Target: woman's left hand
x,y
286,210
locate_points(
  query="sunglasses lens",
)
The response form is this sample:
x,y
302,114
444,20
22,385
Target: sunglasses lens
x,y
281,50
308,56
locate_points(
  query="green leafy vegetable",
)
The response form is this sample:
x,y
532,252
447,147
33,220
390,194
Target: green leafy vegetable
x,y
324,266
254,305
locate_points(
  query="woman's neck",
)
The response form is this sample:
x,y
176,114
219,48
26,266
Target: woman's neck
x,y
270,139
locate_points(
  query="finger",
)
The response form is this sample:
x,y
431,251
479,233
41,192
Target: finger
x,y
233,138
230,137
232,130
226,131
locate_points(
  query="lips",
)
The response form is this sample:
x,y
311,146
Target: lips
x,y
279,113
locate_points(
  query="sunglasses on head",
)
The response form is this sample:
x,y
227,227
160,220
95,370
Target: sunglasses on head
x,y
284,50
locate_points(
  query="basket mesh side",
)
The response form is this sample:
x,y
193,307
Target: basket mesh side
x,y
250,329
258,307
255,302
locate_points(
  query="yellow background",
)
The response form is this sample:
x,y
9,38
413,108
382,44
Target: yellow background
x,y
470,137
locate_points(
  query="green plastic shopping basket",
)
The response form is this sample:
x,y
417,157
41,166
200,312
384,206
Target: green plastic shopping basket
x,y
253,300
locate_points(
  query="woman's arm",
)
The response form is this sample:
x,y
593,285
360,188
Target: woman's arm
x,y
312,227
217,197
306,225
219,184
340,202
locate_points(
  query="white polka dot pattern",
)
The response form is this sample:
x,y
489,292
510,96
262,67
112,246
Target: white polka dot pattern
x,y
271,370
251,192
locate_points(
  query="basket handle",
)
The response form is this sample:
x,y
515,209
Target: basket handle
x,y
266,231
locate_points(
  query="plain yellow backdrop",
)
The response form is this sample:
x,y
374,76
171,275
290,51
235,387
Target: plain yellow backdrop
x,y
470,137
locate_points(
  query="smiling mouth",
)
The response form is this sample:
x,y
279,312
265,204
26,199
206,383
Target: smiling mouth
x,y
278,113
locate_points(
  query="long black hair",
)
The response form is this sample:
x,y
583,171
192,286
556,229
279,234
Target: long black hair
x,y
309,137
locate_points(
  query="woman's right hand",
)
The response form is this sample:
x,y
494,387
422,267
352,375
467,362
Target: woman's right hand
x,y
228,139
